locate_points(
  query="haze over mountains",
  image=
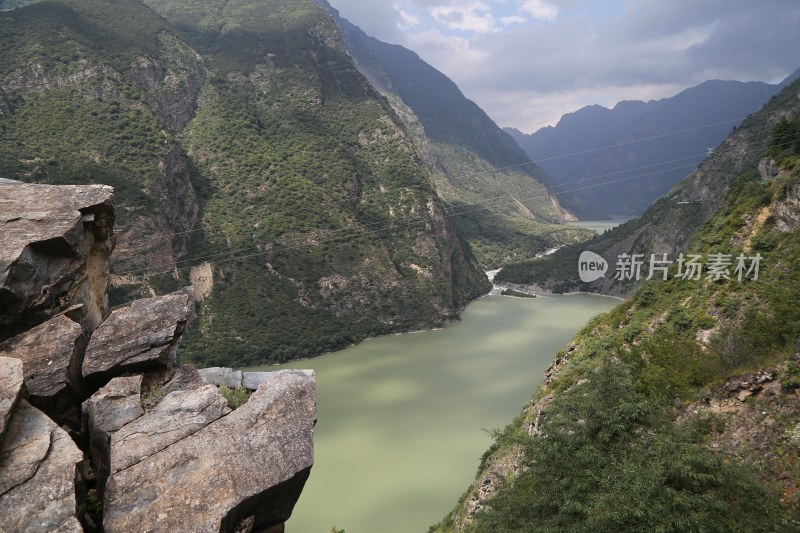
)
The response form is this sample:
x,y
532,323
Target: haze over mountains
x,y
641,149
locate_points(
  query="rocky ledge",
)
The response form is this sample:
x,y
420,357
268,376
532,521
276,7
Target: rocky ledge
x,y
100,430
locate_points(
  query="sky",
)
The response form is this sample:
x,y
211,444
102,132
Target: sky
x,y
527,62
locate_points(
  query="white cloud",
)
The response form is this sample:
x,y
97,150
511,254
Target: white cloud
x,y
474,16
407,20
540,10
590,51
511,20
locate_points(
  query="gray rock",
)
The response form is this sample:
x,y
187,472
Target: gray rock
x,y
110,408
252,462
37,474
253,380
114,405
186,378
140,335
10,387
178,415
51,355
221,376
55,253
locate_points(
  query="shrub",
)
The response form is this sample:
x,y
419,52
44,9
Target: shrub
x,y
235,397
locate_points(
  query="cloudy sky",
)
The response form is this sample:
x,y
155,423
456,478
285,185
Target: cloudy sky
x,y
527,62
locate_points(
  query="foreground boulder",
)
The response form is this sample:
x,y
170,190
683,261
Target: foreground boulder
x,y
51,354
10,388
177,416
140,335
186,377
247,467
110,408
221,376
55,252
37,485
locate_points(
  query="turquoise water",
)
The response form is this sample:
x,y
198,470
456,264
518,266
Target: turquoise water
x,y
404,419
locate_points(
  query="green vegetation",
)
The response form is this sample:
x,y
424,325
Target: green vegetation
x,y
152,397
670,223
243,129
235,397
500,201
598,469
516,294
610,452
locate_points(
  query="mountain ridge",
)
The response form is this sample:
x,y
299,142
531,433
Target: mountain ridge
x,y
501,201
656,135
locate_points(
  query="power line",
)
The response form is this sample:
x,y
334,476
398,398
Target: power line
x,y
393,227
488,171
549,189
175,268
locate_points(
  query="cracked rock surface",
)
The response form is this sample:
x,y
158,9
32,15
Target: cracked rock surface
x,y
250,463
10,388
56,246
51,355
177,416
37,488
142,334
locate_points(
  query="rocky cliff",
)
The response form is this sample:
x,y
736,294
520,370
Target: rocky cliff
x,y
501,202
100,430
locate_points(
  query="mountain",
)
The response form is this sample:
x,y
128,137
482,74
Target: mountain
x,y
250,159
671,223
500,200
641,149
677,410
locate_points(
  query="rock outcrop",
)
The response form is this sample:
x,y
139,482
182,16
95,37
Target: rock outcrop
x,y
177,416
138,336
222,376
10,388
51,354
250,463
55,253
161,449
185,378
110,408
37,485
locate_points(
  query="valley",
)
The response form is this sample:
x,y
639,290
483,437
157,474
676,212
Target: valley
x,y
347,266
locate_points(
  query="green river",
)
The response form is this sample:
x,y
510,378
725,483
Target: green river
x,y
404,419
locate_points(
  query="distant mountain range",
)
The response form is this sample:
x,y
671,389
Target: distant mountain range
x,y
619,160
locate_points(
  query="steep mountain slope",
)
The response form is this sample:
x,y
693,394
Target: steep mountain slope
x,y
250,158
501,201
642,139
670,224
677,411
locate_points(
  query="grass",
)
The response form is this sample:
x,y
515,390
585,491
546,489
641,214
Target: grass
x,y
235,397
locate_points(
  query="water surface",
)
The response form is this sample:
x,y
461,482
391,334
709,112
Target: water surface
x,y
600,226
403,420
